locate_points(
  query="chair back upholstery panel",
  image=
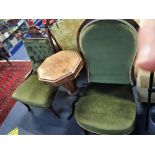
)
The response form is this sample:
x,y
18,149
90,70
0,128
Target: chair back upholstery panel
x,y
38,50
66,33
109,48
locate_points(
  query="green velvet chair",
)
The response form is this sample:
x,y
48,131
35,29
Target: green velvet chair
x,y
33,92
109,48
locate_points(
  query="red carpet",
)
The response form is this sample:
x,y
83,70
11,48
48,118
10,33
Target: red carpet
x,y
10,78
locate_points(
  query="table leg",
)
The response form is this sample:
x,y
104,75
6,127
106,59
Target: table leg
x,y
6,58
70,86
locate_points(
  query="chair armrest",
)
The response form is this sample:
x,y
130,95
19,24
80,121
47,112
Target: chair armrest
x,y
143,78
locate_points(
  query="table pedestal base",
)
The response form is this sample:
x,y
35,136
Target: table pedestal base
x,y
70,87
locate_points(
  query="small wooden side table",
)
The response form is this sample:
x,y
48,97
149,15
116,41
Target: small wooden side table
x,y
61,69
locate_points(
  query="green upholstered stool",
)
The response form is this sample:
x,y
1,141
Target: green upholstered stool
x,y
109,48
34,93
106,109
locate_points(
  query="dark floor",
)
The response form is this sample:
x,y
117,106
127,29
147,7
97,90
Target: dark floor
x,y
41,121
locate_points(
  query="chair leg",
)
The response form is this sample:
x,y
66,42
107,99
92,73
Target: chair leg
x,y
28,107
6,58
85,131
72,113
150,91
55,113
73,108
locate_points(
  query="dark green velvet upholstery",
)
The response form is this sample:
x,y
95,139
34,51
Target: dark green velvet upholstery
x,y
38,49
106,109
32,91
35,93
108,46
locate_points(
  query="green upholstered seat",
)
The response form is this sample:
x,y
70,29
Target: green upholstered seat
x,y
106,109
38,49
35,93
109,48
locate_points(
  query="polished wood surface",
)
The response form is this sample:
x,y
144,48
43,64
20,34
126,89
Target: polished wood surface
x,y
70,87
61,68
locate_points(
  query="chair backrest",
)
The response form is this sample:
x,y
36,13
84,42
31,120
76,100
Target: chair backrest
x,y
38,50
65,31
109,48
38,47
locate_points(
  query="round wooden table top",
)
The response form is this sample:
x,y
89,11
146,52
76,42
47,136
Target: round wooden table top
x,y
62,66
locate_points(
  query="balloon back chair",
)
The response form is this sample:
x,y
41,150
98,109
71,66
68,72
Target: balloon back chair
x,y
108,48
65,31
33,92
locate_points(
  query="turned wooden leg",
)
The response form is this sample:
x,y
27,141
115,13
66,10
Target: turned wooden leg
x,y
70,86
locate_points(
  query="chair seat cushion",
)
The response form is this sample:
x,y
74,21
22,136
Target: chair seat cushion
x,y
107,109
35,93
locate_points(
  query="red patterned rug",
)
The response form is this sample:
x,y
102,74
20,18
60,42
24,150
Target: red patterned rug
x,y
10,78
